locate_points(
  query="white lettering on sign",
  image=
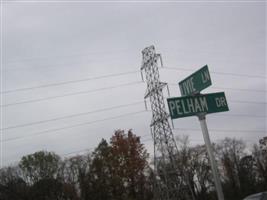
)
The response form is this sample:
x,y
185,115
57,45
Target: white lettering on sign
x,y
197,106
172,106
178,107
188,86
220,102
203,103
189,105
184,108
205,76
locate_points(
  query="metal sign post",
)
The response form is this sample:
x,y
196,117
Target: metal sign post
x,y
192,103
214,168
201,105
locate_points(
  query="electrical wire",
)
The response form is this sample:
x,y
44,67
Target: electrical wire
x,y
112,108
74,126
241,115
220,73
99,89
67,56
143,141
248,102
92,122
222,130
88,149
71,94
240,89
71,116
68,82
113,75
227,88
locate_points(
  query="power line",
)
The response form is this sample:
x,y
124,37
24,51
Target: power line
x,y
241,115
75,125
77,152
91,122
67,82
222,130
66,56
88,149
71,116
121,74
246,102
240,89
145,140
249,102
99,89
190,129
220,73
228,88
71,94
44,67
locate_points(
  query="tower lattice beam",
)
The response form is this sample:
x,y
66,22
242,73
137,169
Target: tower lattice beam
x,y
167,182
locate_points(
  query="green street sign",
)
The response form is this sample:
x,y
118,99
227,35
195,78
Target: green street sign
x,y
192,105
196,82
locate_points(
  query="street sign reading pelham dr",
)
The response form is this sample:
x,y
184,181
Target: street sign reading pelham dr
x,y
196,82
193,105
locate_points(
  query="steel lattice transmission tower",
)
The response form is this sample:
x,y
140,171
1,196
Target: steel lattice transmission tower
x,y
167,183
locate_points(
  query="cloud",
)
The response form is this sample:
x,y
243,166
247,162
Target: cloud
x,y
48,43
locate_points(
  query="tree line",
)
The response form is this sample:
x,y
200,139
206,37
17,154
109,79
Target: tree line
x,y
121,169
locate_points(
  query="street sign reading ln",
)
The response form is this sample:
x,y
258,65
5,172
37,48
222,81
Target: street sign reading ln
x,y
196,82
193,105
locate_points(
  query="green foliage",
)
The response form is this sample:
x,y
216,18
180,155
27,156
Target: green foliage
x,y
52,189
39,165
241,171
119,170
260,163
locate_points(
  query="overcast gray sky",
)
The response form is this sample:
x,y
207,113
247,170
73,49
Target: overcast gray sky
x,y
52,42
